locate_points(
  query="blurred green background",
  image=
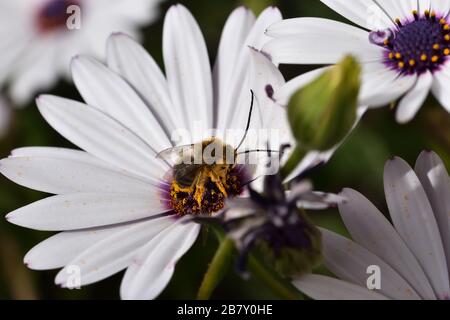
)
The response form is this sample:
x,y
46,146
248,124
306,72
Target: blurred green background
x,y
358,164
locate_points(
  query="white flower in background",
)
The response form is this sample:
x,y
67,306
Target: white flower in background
x,y
413,254
116,205
404,48
39,37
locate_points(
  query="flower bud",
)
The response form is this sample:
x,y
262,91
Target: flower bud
x,y
323,112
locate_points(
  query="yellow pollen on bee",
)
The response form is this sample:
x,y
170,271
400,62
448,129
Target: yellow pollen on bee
x,y
424,57
412,62
398,55
447,52
435,58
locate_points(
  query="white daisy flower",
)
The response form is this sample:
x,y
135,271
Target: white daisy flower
x,y
39,37
115,204
413,255
404,46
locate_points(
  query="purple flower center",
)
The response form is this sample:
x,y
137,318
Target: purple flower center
x,y
53,14
416,46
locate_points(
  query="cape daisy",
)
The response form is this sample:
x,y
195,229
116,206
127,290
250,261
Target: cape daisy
x,y
404,47
116,205
413,254
37,44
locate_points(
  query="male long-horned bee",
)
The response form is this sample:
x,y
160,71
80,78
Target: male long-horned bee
x,y
205,174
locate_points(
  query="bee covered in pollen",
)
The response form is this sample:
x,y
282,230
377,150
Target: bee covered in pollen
x,y
205,174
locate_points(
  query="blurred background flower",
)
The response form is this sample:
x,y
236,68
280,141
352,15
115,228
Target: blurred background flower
x,y
357,164
39,37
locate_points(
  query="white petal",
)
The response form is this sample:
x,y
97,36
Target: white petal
x,y
369,228
395,10
35,71
311,159
320,201
425,4
440,89
62,176
237,93
102,88
321,287
350,261
435,180
381,86
114,253
58,250
309,41
153,268
406,7
414,220
73,155
266,78
362,12
413,100
187,68
234,34
100,135
86,210
441,6
128,58
61,153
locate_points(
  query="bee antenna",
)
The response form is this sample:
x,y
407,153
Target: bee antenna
x,y
248,121
258,150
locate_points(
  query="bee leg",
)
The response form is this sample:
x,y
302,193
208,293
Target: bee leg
x,y
199,185
215,178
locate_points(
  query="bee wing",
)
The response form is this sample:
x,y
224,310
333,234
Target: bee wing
x,y
185,174
171,155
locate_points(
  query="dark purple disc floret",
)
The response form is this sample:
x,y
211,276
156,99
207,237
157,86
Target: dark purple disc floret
x,y
417,45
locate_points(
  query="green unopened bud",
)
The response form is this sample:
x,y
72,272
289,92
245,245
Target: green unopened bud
x,y
297,259
323,112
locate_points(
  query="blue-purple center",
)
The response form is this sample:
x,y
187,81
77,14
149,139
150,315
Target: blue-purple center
x,y
416,45
53,14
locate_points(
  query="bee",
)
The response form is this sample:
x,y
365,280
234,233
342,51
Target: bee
x,y
205,174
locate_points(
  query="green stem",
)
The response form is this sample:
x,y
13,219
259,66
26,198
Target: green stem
x,y
279,286
294,159
217,269
221,261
